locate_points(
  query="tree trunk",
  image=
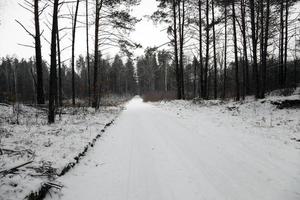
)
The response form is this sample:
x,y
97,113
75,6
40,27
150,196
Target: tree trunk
x,y
262,35
179,94
254,48
52,83
195,80
73,52
181,41
237,81
215,54
200,50
265,51
205,93
60,103
38,56
87,51
281,46
286,41
96,53
225,56
166,76
245,49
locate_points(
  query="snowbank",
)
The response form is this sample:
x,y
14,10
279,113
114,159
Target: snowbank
x,y
261,118
28,137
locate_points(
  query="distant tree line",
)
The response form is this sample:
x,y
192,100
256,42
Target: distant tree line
x,y
18,79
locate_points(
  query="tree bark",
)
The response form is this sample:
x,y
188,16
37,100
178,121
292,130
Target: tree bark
x,y
53,84
225,56
286,41
87,51
254,48
38,56
265,51
215,54
60,103
179,94
245,49
200,50
181,41
281,46
96,53
73,52
237,81
205,93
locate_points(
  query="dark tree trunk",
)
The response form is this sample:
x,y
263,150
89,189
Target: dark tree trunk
x,y
96,53
225,56
246,84
200,50
60,103
295,72
215,54
286,41
181,41
38,56
73,52
281,46
265,51
87,51
195,81
254,48
237,81
53,82
205,93
262,35
179,95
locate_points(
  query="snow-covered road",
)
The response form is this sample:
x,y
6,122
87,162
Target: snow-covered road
x,y
150,153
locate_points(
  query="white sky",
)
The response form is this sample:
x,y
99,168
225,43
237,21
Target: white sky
x,y
11,33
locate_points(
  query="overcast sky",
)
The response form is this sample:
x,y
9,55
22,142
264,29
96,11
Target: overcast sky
x,y
11,33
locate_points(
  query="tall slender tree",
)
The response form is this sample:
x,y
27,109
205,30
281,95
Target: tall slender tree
x,y
254,47
53,82
74,23
205,88
265,51
87,49
98,7
237,81
214,51
200,88
38,55
245,48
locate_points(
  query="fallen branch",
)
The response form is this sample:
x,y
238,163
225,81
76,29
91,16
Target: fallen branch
x,y
13,169
55,185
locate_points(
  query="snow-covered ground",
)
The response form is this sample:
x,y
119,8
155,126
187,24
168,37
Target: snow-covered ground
x,y
195,151
50,147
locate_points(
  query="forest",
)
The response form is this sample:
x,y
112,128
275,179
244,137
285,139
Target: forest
x,y
150,99
217,49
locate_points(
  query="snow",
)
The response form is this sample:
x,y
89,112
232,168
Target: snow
x,y
185,150
51,147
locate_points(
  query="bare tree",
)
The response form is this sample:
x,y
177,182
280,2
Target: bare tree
x,y
34,8
53,82
87,49
74,22
237,81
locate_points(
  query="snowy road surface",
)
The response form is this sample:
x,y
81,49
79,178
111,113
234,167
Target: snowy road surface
x,y
149,153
